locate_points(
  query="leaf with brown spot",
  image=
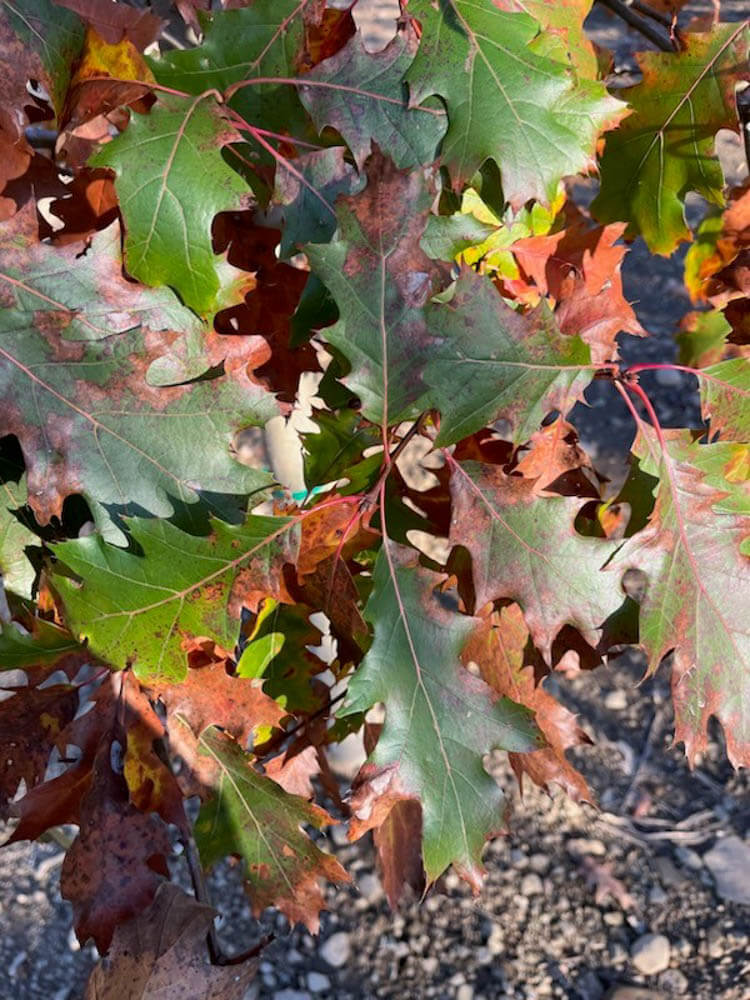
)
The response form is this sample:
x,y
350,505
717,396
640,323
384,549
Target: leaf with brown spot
x,y
698,586
100,82
253,817
525,548
488,361
210,696
84,414
152,787
501,649
362,95
161,955
31,721
118,860
38,42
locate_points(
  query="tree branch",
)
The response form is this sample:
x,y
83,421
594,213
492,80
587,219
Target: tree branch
x,y
648,31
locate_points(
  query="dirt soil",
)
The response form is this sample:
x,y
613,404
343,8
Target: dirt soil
x,y
627,900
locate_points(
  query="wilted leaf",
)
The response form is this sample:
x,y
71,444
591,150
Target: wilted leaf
x,y
666,147
439,720
504,100
143,609
500,648
161,955
579,269
254,817
31,721
698,588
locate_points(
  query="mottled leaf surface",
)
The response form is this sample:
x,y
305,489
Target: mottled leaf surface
x,y
367,102
488,361
698,588
381,281
525,548
85,417
440,719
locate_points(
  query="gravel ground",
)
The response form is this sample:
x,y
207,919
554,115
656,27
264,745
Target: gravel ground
x,y
579,902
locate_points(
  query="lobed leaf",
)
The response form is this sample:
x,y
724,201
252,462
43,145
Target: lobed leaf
x,y
698,586
666,147
160,161
253,817
504,100
439,719
142,610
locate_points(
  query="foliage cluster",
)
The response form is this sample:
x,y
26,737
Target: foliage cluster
x,y
189,235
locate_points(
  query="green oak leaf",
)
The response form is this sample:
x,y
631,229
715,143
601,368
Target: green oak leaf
x,y
306,189
77,343
440,720
564,31
666,147
697,590
446,236
505,100
171,180
88,289
489,361
264,40
252,817
703,337
525,548
725,397
47,644
381,281
16,572
140,608
334,452
366,102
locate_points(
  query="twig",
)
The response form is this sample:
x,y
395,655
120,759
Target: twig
x,y
623,11
646,11
648,744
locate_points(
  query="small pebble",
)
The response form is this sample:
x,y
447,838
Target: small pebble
x,y
650,953
336,950
532,885
317,982
673,981
616,701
